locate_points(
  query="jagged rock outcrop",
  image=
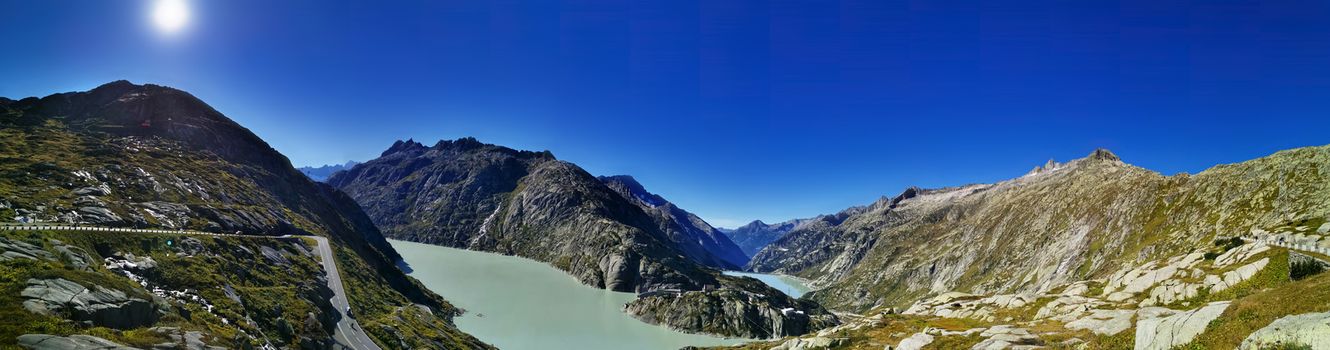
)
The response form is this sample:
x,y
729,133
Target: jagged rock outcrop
x,y
1164,333
182,340
608,233
915,342
93,306
73,342
1062,222
752,310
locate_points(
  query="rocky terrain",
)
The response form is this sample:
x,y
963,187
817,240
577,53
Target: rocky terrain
x,y
126,155
754,236
321,173
608,233
140,291
1060,223
1089,254
1230,295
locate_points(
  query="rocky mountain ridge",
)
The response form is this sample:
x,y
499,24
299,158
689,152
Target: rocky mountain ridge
x,y
694,236
1057,224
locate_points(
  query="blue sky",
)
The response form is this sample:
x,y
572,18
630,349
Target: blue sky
x,y
736,110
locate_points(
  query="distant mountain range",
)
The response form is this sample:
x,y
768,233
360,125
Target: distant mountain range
x,y
754,236
608,232
323,172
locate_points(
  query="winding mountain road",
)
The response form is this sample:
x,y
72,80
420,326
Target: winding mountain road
x,y
348,334
1287,242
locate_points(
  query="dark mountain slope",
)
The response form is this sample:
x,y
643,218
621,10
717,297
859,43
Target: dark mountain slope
x,y
478,196
697,239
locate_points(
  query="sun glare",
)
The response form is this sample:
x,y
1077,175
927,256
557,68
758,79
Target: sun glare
x,y
170,15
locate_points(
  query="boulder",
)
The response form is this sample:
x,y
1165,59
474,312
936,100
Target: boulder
x,y
1104,322
168,214
100,190
1068,308
76,257
1164,333
11,249
1311,329
73,342
273,256
1240,254
96,306
98,215
809,343
182,340
1076,289
915,342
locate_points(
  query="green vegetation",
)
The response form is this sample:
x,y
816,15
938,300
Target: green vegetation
x,y
1262,301
278,298
1303,269
1223,245
196,169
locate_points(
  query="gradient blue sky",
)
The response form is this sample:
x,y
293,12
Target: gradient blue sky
x,y
736,110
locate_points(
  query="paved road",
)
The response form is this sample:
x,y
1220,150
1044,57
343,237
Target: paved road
x,y
348,334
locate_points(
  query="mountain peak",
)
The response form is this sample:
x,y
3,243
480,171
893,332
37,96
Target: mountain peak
x,y
755,225
625,179
402,146
1103,154
633,189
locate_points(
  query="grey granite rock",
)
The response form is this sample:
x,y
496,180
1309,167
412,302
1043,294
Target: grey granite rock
x,y
73,342
96,306
1310,329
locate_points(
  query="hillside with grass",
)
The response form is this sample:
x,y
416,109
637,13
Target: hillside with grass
x,y
126,155
1060,223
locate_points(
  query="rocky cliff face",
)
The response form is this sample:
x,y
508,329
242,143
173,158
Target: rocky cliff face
x,y
754,236
131,155
692,235
1062,222
477,196
748,309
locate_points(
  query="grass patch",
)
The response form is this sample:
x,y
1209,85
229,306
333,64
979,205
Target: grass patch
x,y
1264,305
275,297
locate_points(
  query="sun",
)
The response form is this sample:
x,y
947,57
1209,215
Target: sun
x,y
170,15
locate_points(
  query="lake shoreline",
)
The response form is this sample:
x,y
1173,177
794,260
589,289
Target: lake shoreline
x,y
514,292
